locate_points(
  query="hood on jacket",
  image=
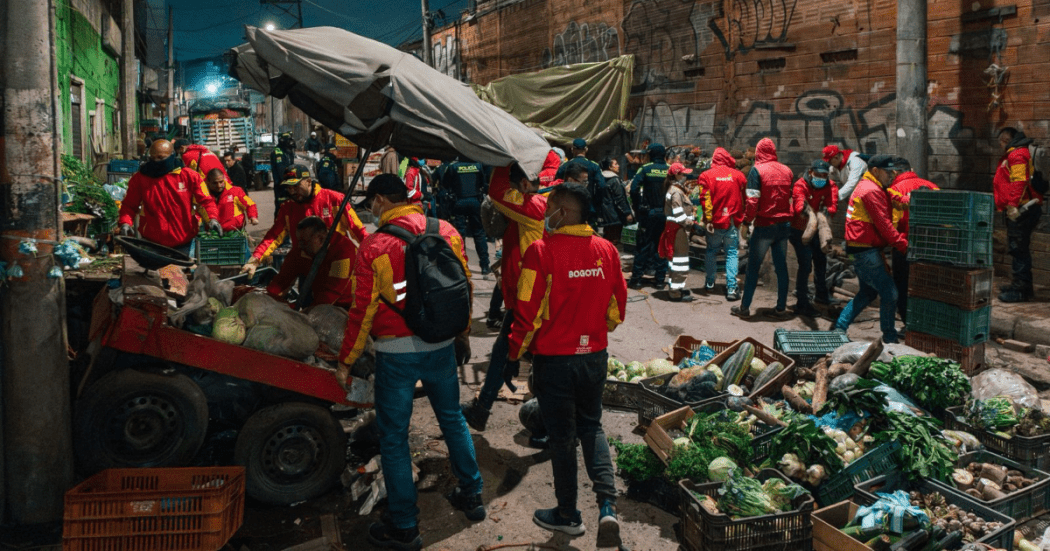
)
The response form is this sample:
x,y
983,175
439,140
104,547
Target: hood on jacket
x,y
722,157
765,151
196,148
1019,140
553,160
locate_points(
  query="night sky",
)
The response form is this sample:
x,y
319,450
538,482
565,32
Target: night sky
x,y
204,29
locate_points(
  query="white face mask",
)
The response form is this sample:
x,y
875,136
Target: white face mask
x,y
376,212
547,221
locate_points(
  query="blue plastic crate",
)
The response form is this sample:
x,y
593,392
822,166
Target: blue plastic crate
x,y
126,166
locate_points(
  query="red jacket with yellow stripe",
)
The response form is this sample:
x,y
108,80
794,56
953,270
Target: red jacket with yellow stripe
x,y
379,273
570,295
233,203
524,214
1013,179
166,206
200,158
332,285
900,197
869,218
324,203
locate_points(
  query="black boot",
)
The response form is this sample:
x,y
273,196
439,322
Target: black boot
x,y
386,536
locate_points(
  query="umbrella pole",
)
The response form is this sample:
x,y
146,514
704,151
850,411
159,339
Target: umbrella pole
x,y
304,291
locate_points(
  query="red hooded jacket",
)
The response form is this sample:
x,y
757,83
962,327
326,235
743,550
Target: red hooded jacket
x,y
768,187
803,192
869,218
900,197
200,158
722,187
324,203
166,206
550,168
525,215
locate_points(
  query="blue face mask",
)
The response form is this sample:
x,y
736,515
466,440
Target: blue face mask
x,y
819,182
547,222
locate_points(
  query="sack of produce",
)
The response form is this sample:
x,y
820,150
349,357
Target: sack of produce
x,y
274,328
1000,382
852,351
329,321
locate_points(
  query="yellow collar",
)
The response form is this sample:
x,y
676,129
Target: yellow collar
x,y
869,176
578,230
398,212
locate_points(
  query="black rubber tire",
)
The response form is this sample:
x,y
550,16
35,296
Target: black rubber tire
x,y
132,418
291,452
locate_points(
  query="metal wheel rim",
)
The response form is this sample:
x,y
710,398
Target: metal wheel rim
x,y
293,452
144,427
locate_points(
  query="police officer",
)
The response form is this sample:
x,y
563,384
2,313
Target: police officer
x,y
283,156
647,195
465,180
328,170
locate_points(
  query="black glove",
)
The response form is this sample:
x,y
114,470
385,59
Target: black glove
x,y
462,343
510,371
125,229
214,226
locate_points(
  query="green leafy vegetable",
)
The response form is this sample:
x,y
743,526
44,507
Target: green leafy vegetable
x,y
857,398
743,496
637,461
808,443
993,414
925,452
935,383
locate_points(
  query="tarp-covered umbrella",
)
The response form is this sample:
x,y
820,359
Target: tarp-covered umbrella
x,y
376,95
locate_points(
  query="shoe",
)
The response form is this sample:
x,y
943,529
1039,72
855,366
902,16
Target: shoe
x,y
470,504
659,285
806,310
388,537
475,415
494,323
485,272
733,295
608,526
781,314
551,520
681,297
635,284
1015,295
742,313
709,286
539,442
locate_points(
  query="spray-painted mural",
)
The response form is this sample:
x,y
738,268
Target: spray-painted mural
x,y
583,43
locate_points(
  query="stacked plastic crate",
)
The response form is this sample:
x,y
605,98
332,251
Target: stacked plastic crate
x,y
950,285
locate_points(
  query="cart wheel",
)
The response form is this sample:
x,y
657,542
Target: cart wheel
x,y
135,419
291,452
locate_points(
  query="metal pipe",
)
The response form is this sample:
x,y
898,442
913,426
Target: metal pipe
x,y
912,119
171,68
427,52
37,438
129,78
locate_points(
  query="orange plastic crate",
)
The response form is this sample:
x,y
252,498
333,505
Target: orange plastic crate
x,y
171,509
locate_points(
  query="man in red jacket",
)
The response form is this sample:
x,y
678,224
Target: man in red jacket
x,y
514,195
1023,206
570,295
722,188
869,229
233,203
402,359
904,182
333,284
200,158
165,196
308,198
816,190
769,207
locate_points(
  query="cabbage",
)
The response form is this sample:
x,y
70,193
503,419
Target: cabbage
x,y
720,469
614,365
635,368
226,313
622,375
229,329
636,378
659,367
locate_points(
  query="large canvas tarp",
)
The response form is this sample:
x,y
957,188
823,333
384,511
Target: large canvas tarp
x,y
376,95
585,100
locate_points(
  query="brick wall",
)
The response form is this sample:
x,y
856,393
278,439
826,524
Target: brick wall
x,y
804,72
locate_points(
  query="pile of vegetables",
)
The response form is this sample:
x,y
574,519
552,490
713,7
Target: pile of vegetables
x,y
704,438
698,380
636,371
950,518
934,383
636,461
232,234
990,481
88,196
925,452
1001,415
742,496
805,452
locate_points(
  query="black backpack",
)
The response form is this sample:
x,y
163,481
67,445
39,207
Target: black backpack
x,y
437,305
1039,183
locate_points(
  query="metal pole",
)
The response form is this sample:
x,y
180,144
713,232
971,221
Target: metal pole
x,y
911,83
37,448
171,68
427,53
129,79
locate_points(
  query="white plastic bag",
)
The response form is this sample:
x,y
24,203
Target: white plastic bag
x,y
1000,382
275,328
205,285
852,351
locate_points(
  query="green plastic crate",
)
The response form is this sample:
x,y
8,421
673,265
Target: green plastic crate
x,y
879,461
958,209
222,251
629,235
955,246
808,347
967,327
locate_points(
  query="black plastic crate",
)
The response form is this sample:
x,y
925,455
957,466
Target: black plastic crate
x,y
808,347
1031,451
1019,505
621,395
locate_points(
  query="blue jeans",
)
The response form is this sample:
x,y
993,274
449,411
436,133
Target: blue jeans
x,y
395,384
498,361
767,238
875,281
810,260
569,390
727,240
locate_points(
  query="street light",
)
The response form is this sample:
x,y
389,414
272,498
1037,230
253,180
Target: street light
x,y
212,88
270,26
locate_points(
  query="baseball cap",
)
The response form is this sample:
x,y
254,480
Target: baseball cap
x,y
830,151
579,143
678,168
820,166
293,174
384,184
887,162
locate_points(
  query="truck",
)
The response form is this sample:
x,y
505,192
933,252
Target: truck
x,y
222,124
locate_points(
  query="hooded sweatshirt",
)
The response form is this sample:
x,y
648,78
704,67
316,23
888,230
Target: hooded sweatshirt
x,y
722,189
201,159
550,168
768,187
1012,184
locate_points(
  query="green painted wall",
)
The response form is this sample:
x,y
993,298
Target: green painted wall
x,y
80,54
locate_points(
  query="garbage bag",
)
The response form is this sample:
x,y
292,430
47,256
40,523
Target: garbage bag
x,y
1000,382
329,321
852,351
274,328
205,285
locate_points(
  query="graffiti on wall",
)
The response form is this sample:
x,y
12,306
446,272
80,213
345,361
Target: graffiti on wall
x,y
667,38
820,117
583,43
446,56
658,122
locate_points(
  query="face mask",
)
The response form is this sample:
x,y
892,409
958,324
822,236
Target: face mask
x,y
819,182
375,210
157,169
547,222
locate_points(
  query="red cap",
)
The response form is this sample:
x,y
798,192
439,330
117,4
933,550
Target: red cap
x,y
830,151
678,168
